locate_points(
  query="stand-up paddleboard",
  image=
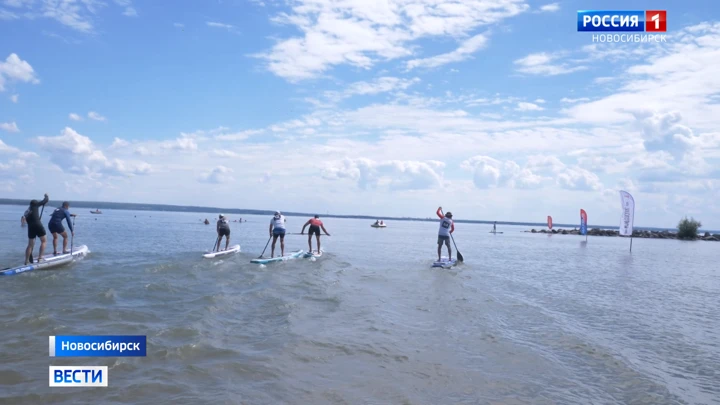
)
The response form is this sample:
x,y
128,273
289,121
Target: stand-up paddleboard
x,y
48,262
495,232
314,254
445,263
289,256
229,251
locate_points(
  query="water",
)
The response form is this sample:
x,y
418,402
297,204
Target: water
x,y
528,319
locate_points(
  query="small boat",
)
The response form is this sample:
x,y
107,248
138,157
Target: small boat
x,y
97,211
380,224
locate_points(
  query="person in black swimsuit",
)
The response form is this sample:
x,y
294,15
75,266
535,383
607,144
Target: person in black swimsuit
x,y
35,228
223,229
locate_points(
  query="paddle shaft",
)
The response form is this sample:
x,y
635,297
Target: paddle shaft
x,y
266,245
217,242
72,237
459,255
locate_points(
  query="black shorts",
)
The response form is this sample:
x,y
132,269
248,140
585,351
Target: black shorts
x,y
314,229
224,232
36,231
443,239
56,228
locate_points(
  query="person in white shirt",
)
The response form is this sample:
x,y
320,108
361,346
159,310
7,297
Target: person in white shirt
x,y
277,229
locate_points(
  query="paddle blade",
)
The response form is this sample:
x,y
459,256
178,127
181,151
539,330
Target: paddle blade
x,y
460,257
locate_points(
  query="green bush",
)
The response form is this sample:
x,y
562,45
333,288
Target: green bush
x,y
687,228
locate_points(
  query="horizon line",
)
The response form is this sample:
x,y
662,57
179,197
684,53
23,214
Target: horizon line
x,y
197,208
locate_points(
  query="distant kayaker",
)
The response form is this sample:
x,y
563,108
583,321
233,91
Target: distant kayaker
x,y
55,225
315,225
35,228
277,229
447,226
223,229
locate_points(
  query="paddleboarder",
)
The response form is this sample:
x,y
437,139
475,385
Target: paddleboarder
x,y
35,228
277,229
494,223
315,225
223,229
55,226
447,226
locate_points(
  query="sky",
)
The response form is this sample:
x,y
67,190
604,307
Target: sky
x,y
494,109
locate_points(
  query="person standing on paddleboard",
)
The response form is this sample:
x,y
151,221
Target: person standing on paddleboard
x,y
447,226
277,229
35,228
223,229
55,226
315,225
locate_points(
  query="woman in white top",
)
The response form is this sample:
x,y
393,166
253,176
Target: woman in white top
x,y
277,229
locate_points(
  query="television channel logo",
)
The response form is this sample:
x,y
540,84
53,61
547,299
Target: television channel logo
x,y
622,21
78,376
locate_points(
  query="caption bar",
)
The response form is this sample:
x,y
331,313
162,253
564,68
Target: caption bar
x,y
98,346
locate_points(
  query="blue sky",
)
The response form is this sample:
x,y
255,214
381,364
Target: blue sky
x,y
495,109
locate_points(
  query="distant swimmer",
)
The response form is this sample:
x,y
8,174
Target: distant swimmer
x,y
22,221
207,222
315,225
223,229
35,228
55,225
447,227
277,229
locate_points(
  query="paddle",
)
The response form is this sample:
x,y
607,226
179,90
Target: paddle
x,y
459,255
72,237
266,245
217,241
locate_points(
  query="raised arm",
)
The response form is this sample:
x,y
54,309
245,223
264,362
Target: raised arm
x,y
439,214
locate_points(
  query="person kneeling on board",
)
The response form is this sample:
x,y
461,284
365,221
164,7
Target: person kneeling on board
x,y
277,229
35,228
315,225
447,226
56,228
223,229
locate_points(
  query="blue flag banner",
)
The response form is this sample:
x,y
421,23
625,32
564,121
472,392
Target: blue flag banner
x,y
583,222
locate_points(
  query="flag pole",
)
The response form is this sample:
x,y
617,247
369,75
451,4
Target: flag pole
x,y
631,243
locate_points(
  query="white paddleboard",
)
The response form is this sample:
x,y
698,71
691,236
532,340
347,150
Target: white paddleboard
x,y
314,254
293,255
48,262
445,263
229,251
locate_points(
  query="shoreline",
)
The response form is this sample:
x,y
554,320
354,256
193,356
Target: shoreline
x,y
707,236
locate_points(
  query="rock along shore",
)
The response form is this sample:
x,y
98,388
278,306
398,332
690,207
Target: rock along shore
x,y
636,234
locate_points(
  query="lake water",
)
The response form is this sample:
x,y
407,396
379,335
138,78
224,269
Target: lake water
x,y
527,319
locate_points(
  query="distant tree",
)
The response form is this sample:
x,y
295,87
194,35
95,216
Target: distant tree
x,y
687,228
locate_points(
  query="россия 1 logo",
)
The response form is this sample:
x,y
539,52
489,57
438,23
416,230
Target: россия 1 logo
x,y
649,21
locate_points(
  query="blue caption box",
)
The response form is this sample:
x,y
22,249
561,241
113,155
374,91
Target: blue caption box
x,y
98,346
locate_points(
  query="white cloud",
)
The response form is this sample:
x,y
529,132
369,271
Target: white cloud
x,y
178,25
14,98
78,15
75,117
9,126
95,116
541,64
127,5
361,33
540,101
550,8
16,69
224,153
490,172
573,100
576,178
464,51
76,153
183,143
220,25
393,174
218,175
130,12
119,143
523,106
